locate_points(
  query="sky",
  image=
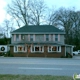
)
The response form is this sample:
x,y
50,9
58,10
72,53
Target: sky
x,y
50,3
64,3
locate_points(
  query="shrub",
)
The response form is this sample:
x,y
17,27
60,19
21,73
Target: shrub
x,y
68,55
8,54
63,57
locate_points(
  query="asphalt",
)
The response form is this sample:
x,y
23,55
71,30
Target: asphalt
x,y
76,57
40,66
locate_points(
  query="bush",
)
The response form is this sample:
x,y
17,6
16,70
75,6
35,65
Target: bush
x,y
63,57
68,55
1,54
8,54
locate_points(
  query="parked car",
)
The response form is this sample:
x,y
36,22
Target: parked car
x,y
76,52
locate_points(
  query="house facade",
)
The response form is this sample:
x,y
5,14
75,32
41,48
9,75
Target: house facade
x,y
39,41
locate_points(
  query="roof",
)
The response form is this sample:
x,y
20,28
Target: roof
x,y
38,29
35,44
42,44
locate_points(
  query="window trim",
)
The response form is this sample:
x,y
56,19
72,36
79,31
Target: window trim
x,y
54,46
17,46
14,37
22,37
34,46
47,37
32,36
17,37
56,37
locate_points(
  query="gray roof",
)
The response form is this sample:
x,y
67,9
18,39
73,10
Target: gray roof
x,y
38,29
43,44
37,44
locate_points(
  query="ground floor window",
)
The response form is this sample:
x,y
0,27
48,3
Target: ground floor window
x,y
37,49
20,48
54,48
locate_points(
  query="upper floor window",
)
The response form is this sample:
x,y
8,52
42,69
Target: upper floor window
x,y
31,37
14,37
17,37
22,37
56,37
47,37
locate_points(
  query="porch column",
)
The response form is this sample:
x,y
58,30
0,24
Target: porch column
x,y
45,51
65,50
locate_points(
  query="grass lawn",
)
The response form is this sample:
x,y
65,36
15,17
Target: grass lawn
x,y
33,77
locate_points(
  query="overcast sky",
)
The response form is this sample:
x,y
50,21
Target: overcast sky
x,y
50,3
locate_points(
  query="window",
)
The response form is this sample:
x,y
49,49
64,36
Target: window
x,y
37,49
22,37
20,48
17,37
31,37
49,48
15,48
59,48
14,37
47,37
32,48
56,37
54,48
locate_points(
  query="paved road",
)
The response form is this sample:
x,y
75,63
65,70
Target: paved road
x,y
39,66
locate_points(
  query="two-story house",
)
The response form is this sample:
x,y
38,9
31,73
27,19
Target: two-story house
x,y
39,41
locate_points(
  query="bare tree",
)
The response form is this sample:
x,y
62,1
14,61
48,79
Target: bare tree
x,y
76,28
27,12
37,11
62,18
19,11
51,16
76,21
1,31
8,27
69,20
